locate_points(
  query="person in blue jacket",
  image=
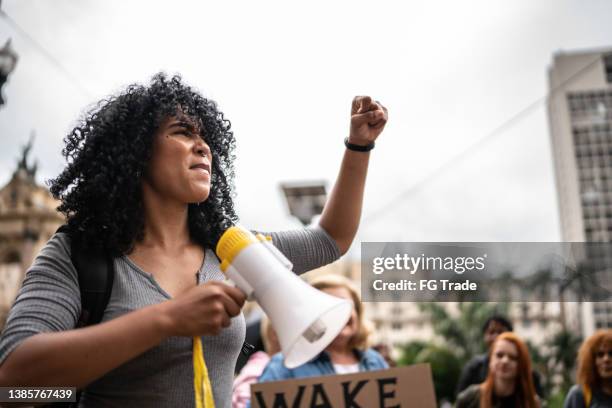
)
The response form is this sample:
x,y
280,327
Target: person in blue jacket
x,y
348,352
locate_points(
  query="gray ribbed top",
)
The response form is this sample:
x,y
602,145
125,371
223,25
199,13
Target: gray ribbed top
x,y
49,300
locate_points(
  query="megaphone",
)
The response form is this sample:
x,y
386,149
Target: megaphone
x,y
305,319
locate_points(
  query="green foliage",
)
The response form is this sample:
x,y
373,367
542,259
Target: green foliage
x,y
556,359
445,366
556,400
410,351
463,333
564,347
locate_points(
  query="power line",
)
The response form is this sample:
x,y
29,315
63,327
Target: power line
x,y
47,55
508,123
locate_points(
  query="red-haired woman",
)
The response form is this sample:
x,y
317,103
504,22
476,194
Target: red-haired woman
x,y
594,388
509,383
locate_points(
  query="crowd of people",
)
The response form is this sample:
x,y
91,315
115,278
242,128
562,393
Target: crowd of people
x,y
503,377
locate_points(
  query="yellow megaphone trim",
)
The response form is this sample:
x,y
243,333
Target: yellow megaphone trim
x,y
234,240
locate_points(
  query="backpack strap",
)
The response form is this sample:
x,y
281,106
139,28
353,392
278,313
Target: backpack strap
x,y
96,273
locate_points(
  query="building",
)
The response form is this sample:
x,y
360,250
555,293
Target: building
x,y
580,119
27,220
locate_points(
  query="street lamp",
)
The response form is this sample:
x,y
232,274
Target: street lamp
x,y
8,60
305,199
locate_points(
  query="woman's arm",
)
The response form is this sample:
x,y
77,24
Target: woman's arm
x,y
74,358
342,211
40,347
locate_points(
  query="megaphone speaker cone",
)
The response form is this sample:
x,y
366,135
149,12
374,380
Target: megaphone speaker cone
x,y
305,319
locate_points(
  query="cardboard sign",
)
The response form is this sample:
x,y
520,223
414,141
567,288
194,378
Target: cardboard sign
x,y
400,387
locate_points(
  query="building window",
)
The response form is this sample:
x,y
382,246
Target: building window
x,y
13,198
608,67
590,108
12,257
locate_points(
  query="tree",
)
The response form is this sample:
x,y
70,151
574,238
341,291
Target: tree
x,y
563,348
410,351
556,360
445,365
463,333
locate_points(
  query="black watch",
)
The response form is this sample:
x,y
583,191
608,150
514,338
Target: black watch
x,y
358,148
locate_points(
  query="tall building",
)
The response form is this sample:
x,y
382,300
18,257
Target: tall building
x,y
580,118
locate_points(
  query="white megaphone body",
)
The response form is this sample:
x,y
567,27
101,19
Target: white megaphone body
x,y
305,319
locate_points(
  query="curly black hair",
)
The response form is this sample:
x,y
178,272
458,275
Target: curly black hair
x,y
108,153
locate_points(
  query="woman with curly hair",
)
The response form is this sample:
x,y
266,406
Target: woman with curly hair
x,y
509,383
347,353
149,182
594,388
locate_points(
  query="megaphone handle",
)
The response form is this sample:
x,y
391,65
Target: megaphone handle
x,y
242,284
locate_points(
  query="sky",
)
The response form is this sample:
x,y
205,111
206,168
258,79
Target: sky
x,y
285,73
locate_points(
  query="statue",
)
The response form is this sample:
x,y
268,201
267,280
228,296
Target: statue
x,y
22,167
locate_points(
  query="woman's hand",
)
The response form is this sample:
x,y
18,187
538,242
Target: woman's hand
x,y
368,119
342,211
203,310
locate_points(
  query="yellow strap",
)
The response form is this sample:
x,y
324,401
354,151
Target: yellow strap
x,y
588,395
201,381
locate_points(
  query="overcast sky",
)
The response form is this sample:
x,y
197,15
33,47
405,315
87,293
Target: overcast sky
x,y
285,73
